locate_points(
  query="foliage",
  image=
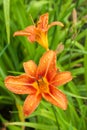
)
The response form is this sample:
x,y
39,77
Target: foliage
x,y
16,15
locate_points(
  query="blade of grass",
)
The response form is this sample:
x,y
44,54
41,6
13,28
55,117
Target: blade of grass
x,y
85,61
33,125
6,7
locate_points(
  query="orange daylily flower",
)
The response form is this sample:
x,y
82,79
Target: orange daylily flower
x,y
40,82
39,32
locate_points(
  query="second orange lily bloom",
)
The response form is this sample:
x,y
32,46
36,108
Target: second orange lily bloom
x,y
40,82
38,32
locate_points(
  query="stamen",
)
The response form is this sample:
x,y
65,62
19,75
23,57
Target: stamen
x,y
39,76
41,85
38,82
42,80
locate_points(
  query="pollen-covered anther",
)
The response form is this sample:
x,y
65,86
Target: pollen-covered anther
x,y
42,85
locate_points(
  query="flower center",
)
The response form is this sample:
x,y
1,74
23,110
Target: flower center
x,y
41,38
41,85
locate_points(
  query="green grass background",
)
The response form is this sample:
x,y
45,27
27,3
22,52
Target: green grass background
x,y
16,15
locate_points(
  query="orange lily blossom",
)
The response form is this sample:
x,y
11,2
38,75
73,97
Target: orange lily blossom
x,y
40,82
38,32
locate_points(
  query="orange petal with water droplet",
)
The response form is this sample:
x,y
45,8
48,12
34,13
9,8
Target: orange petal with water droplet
x,y
56,97
30,68
31,103
30,32
43,22
55,23
61,78
47,63
19,84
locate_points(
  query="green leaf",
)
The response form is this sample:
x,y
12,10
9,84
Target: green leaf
x,y
33,125
6,7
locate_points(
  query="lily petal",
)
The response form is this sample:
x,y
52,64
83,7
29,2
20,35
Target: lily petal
x,y
19,84
56,97
31,103
55,23
61,78
30,68
30,32
43,22
47,64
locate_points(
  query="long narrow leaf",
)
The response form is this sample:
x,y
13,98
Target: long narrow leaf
x,y
6,8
